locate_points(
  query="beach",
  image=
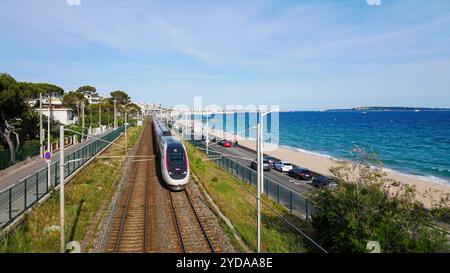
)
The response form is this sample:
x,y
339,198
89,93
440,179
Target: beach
x,y
322,165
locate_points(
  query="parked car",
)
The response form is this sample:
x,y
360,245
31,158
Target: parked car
x,y
214,139
321,181
301,173
271,160
225,143
266,165
283,166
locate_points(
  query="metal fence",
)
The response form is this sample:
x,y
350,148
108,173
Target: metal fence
x,y
18,198
293,201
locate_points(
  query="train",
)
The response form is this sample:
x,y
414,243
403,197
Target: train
x,y
174,161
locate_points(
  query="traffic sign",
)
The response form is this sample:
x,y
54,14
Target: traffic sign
x,y
48,155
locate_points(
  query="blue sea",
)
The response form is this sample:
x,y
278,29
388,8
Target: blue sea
x,y
414,143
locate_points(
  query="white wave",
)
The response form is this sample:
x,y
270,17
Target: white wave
x,y
307,152
424,177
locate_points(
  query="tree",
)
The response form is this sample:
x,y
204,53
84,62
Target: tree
x,y
368,206
31,91
121,98
133,110
87,89
74,100
12,106
29,126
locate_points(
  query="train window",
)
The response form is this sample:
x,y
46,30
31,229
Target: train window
x,y
176,158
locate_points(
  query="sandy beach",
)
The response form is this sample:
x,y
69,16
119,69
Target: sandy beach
x,y
322,165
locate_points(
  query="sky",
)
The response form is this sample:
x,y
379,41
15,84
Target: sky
x,y
300,55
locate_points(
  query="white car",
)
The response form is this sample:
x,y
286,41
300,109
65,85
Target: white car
x,y
283,166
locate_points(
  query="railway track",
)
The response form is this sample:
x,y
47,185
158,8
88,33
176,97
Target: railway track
x,y
192,233
131,232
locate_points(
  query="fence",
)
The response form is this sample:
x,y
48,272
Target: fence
x,y
293,201
17,199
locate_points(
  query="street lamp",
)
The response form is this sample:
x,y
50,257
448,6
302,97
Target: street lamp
x,y
260,152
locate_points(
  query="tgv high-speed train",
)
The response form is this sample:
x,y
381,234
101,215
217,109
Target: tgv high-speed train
x,y
173,157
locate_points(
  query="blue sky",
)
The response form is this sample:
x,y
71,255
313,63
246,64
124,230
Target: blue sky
x,y
301,55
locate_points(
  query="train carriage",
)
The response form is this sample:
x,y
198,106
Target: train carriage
x,y
174,162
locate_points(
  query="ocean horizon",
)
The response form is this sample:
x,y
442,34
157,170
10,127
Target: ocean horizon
x,y
407,142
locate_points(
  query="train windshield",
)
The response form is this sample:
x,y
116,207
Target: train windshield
x,y
176,162
176,158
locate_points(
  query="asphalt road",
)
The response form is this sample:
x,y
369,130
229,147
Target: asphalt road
x,y
245,157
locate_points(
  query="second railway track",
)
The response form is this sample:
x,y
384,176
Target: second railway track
x,y
192,233
130,233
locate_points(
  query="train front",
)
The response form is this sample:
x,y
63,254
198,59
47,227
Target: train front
x,y
177,166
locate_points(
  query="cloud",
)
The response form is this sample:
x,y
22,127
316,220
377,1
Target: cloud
x,y
323,47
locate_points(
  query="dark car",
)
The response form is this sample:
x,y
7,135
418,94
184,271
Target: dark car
x,y
271,160
266,165
301,173
321,181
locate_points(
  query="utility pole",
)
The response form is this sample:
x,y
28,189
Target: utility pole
x,y
82,118
207,134
49,148
126,142
90,121
260,177
115,114
99,115
109,125
49,178
41,133
61,188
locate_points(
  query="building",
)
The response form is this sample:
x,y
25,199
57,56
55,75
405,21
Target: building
x,y
59,112
147,108
93,98
63,115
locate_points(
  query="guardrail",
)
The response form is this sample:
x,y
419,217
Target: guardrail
x,y
293,201
17,199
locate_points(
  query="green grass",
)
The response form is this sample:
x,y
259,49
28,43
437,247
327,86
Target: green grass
x,y
86,196
238,205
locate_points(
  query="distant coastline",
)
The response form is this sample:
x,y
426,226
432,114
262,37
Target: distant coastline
x,y
387,108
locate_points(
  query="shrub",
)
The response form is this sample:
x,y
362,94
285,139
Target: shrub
x,y
368,206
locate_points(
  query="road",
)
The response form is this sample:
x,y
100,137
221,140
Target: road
x,y
245,157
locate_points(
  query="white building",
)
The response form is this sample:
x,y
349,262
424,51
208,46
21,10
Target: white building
x,y
63,115
147,108
94,98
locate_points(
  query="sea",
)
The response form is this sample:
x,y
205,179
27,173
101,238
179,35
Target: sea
x,y
410,142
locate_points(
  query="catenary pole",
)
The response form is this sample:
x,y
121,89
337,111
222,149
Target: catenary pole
x,y
207,134
115,114
258,198
49,146
41,134
126,142
61,188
